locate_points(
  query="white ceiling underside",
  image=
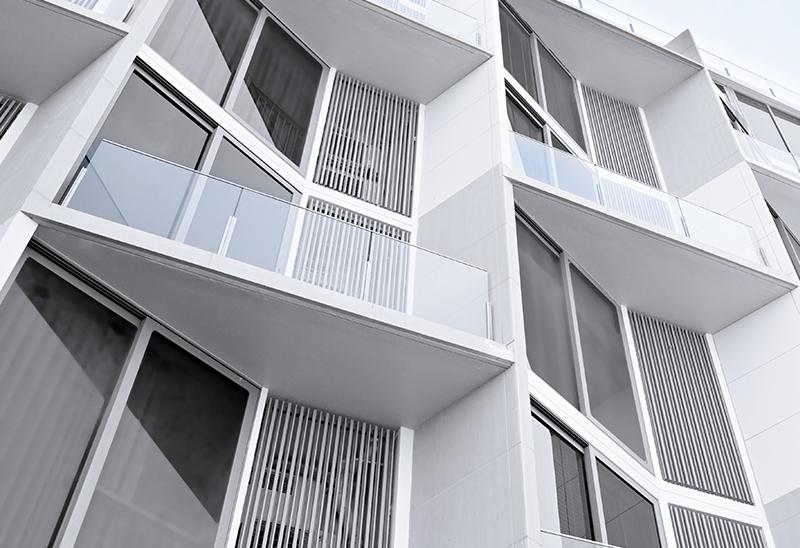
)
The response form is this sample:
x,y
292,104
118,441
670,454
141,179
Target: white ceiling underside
x,y
603,56
651,272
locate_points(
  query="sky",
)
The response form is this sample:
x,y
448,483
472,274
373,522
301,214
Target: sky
x,y
760,35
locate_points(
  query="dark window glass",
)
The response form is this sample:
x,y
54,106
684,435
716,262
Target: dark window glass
x,y
559,93
146,120
205,40
522,123
544,306
62,353
759,122
630,518
561,484
518,51
280,89
608,379
790,128
166,476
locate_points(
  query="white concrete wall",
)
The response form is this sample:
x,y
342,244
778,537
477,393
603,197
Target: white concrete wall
x,y
691,135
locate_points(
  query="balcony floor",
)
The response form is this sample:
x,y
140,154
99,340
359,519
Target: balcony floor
x,y
660,274
379,46
44,43
304,343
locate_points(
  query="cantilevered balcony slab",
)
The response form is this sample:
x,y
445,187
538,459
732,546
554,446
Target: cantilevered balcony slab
x,y
652,251
415,59
604,56
44,43
303,342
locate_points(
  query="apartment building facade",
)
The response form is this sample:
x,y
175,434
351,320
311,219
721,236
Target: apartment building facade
x,y
392,273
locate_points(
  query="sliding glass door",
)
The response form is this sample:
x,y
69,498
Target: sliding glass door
x,y
116,432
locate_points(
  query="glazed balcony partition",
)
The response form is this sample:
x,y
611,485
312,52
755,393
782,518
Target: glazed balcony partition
x,y
622,196
438,16
141,191
115,9
779,160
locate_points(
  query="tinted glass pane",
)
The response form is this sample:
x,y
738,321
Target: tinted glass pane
x,y
144,119
233,165
522,123
544,305
62,353
559,92
259,231
166,476
790,128
759,122
630,518
561,484
280,89
608,380
216,206
518,51
205,39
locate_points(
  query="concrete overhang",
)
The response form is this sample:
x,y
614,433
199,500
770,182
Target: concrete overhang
x,y
303,342
782,193
45,43
658,273
604,56
379,46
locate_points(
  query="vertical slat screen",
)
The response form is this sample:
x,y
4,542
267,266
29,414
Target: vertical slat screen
x,y
655,210
319,480
619,137
369,145
694,436
695,529
9,109
353,254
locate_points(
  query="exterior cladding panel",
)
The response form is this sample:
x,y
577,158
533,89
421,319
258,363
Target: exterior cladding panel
x,y
700,530
369,145
694,435
319,479
619,137
353,254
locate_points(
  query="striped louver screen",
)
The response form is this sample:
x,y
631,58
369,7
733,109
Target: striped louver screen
x,y
368,147
9,109
619,137
354,254
694,435
700,530
319,480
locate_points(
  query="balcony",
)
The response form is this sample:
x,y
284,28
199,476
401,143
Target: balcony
x,y
300,301
779,161
76,34
633,238
414,48
551,539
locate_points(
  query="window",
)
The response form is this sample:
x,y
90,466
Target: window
x,y
608,378
63,353
280,90
790,241
518,55
630,518
205,40
551,334
560,96
790,129
522,123
561,483
544,306
759,122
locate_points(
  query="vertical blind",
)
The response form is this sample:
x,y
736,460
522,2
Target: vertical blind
x,y
9,109
353,254
369,145
695,529
319,480
619,137
694,435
